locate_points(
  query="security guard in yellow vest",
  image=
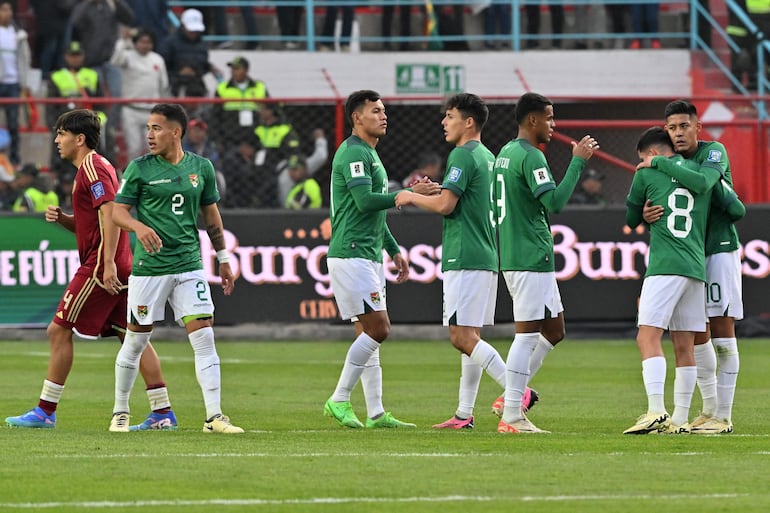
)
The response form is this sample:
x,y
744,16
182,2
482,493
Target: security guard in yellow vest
x,y
238,115
37,194
78,83
277,142
744,62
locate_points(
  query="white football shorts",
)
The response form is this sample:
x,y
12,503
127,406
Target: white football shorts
x,y
672,302
358,285
535,295
724,288
470,298
187,293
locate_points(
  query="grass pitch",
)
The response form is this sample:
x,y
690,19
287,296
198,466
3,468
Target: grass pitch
x,y
292,459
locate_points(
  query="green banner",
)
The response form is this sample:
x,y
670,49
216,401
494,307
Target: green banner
x,y
37,261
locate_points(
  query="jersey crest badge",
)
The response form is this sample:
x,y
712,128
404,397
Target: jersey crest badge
x,y
194,180
356,169
541,175
454,174
375,297
97,189
714,156
142,311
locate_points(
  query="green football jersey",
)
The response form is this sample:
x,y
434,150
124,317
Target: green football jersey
x,y
357,233
522,176
167,198
721,235
468,240
677,239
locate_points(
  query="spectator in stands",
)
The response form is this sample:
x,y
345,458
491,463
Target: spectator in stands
x,y
95,25
617,14
151,15
143,73
7,193
219,15
187,56
744,61
589,19
289,17
644,19
311,164
589,191
451,22
14,72
497,20
38,190
81,84
429,165
240,113
249,185
533,23
51,18
405,24
277,142
306,192
64,186
330,19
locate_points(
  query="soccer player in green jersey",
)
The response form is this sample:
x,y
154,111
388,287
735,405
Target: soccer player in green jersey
x,y
359,199
169,188
724,302
526,192
672,294
469,254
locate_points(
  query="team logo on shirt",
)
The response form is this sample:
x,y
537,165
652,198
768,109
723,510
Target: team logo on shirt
x,y
141,311
714,156
97,189
541,175
356,169
194,180
375,297
454,174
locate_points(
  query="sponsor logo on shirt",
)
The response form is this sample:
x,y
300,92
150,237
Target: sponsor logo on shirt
x,y
541,175
194,180
97,189
356,169
714,156
454,174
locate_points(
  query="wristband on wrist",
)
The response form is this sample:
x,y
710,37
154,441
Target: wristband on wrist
x,y
223,256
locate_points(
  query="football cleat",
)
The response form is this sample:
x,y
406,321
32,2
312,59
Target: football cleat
x,y
713,426
120,422
702,418
157,422
34,418
528,400
522,425
671,429
343,413
649,423
387,420
455,422
220,424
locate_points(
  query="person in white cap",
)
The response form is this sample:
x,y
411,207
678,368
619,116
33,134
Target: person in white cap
x,y
187,56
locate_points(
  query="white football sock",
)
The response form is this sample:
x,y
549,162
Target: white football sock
x,y
207,369
127,367
542,349
355,362
706,362
684,386
469,386
158,398
654,376
490,360
51,391
517,373
729,365
371,382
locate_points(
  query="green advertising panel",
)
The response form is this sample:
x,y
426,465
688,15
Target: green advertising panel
x,y
37,260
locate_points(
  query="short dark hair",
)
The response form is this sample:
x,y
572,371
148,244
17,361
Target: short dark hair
x,y
81,121
654,136
142,32
358,99
680,107
470,106
530,103
172,112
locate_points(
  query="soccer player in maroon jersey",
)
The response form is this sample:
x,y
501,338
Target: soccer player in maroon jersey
x,y
94,303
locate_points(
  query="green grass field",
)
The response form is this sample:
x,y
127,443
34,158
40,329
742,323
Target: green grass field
x,y
292,458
